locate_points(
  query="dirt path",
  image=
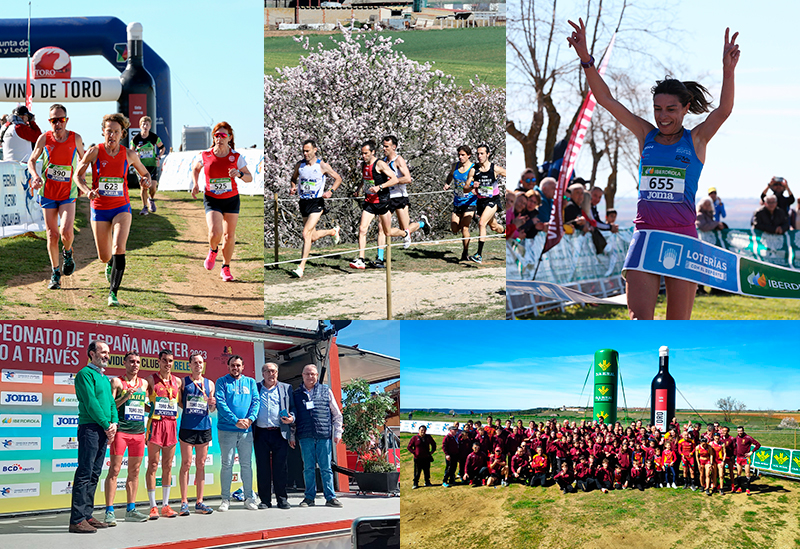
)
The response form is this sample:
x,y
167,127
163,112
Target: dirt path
x,y
362,295
198,294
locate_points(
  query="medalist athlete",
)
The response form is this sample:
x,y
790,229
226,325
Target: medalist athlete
x,y
465,202
485,184
150,150
130,395
221,165
308,181
745,445
197,401
111,205
57,191
666,202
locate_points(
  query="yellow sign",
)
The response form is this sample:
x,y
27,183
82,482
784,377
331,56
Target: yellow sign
x,y
602,390
602,415
762,455
781,458
605,365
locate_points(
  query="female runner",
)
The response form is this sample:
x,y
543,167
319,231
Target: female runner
x,y
666,145
222,166
486,186
111,205
464,200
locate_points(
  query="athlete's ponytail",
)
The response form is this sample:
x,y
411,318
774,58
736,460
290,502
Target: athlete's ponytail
x,y
688,93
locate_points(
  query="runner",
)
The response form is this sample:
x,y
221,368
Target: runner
x,y
151,151
705,465
465,202
310,173
485,184
665,146
111,206
743,449
221,165
163,391
719,459
130,395
378,177
197,400
398,199
57,192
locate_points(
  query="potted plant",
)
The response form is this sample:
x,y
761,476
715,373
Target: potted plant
x,y
364,415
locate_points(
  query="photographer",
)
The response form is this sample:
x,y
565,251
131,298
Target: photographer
x,y
19,134
780,187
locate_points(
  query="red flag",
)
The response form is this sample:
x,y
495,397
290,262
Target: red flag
x,y
555,229
28,94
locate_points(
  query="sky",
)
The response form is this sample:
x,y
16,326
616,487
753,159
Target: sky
x,y
378,336
759,140
492,365
214,51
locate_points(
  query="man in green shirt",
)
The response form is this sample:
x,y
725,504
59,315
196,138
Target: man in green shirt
x,y
150,149
97,425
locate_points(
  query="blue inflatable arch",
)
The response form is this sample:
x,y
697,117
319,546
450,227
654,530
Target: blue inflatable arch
x,y
92,36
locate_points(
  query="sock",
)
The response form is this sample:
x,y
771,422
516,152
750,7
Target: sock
x,y
215,250
131,507
165,499
380,253
421,223
152,495
480,248
109,508
117,271
56,269
225,265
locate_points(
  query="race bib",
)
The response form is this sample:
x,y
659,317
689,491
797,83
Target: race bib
x,y
196,404
221,185
134,410
486,191
111,186
146,153
60,174
659,184
307,189
166,407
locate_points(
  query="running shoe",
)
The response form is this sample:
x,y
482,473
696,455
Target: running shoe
x,y
69,263
151,205
694,488
108,272
739,490
211,258
250,504
407,240
297,273
112,299
184,512
445,485
110,518
224,505
135,516
55,281
377,264
415,487
358,264
166,511
426,228
476,258
153,513
202,509
144,211
748,492
337,237
225,273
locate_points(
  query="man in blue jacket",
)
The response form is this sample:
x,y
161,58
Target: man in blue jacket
x,y
237,409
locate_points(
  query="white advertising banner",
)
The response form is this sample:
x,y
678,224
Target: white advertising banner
x,y
176,173
19,212
438,428
78,88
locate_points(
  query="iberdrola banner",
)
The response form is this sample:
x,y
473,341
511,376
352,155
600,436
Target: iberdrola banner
x,y
687,258
779,460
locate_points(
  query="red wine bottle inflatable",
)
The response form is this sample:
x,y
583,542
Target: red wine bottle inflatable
x,y
138,97
662,393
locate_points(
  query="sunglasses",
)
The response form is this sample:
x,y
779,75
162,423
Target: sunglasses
x,y
61,119
529,179
220,134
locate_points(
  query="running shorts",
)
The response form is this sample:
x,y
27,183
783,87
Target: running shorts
x,y
741,461
375,209
464,208
49,204
133,442
195,437
108,215
163,432
492,202
311,205
687,461
221,205
398,203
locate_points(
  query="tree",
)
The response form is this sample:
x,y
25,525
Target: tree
x,y
729,407
363,418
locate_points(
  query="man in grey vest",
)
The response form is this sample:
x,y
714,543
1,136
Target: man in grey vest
x,y
273,435
318,420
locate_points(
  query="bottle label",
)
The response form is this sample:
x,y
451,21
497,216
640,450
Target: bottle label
x,y
661,410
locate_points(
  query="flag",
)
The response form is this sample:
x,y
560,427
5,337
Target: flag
x,y
28,94
555,229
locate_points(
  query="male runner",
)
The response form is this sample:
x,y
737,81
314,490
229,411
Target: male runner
x,y
730,453
57,192
742,450
150,150
378,178
130,394
309,175
398,199
163,391
197,400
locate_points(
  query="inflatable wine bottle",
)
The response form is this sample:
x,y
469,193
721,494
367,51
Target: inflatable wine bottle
x,y
662,393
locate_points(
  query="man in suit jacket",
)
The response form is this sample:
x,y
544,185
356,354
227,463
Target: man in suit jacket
x,y
273,431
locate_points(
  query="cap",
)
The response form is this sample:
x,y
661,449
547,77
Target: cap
x,y
663,351
22,110
712,190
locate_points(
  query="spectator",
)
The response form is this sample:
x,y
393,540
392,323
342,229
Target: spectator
x,y
573,214
596,197
547,190
780,187
527,181
533,224
719,207
611,216
516,216
705,216
19,134
770,218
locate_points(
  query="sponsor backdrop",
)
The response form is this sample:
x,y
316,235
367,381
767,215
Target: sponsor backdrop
x,y
19,211
779,460
39,410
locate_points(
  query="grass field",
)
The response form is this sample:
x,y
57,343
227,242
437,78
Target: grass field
x,y
525,517
462,53
706,307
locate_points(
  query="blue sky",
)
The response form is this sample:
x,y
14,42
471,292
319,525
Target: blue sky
x,y
214,51
502,365
378,336
759,139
